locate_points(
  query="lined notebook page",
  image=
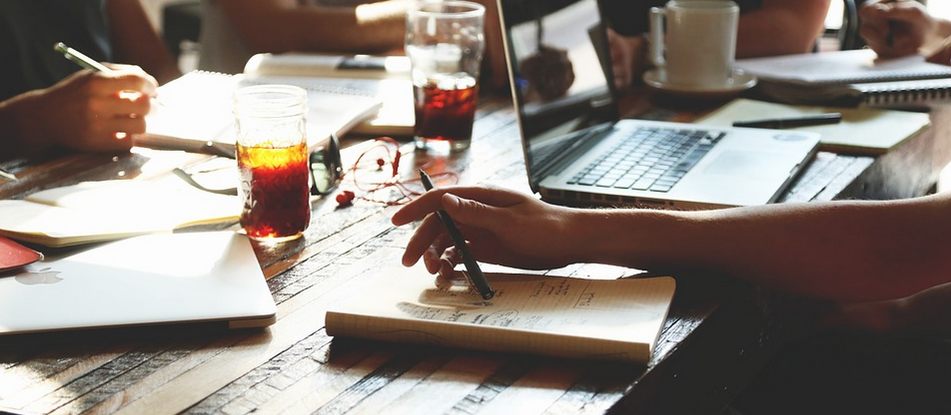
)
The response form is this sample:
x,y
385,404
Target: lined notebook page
x,y
557,316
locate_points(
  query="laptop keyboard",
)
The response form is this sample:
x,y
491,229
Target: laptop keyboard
x,y
651,158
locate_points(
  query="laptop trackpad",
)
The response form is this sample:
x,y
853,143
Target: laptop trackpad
x,y
750,163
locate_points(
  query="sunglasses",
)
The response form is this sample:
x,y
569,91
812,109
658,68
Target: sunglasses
x,y
324,164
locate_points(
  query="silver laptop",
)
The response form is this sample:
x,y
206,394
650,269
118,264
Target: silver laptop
x,y
577,152
146,280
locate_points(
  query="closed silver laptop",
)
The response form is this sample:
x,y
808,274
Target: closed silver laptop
x,y
154,279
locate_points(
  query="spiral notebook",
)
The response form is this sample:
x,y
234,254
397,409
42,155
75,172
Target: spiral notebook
x,y
853,78
195,111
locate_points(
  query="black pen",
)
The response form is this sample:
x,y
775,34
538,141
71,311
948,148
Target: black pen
x,y
892,26
803,121
475,275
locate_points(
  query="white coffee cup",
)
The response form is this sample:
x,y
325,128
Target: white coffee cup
x,y
698,47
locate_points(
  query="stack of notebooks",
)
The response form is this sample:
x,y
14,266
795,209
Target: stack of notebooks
x,y
853,78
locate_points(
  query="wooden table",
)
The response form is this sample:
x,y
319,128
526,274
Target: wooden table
x,y
717,336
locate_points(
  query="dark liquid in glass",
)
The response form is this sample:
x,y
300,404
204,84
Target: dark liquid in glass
x,y
275,191
445,109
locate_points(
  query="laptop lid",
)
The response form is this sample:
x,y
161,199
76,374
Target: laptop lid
x,y
146,280
562,86
559,69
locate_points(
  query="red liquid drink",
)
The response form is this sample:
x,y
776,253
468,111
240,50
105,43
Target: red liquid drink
x,y
275,191
445,109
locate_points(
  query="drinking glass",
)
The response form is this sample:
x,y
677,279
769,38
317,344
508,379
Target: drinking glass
x,y
445,43
272,161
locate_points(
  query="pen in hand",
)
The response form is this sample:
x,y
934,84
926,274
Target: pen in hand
x,y
79,58
7,175
476,277
85,61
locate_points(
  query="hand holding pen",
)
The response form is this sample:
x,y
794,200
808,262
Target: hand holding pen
x,y
98,110
895,28
473,271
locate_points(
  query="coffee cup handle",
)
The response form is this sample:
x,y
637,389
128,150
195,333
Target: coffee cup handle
x,y
657,36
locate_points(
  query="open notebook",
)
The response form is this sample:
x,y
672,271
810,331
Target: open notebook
x,y
112,209
577,318
195,114
385,77
153,279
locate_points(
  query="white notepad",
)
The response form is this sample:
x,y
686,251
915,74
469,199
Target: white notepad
x,y
576,318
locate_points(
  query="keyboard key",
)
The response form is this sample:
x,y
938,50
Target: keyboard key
x,y
625,183
643,184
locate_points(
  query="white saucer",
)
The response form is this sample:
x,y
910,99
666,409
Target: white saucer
x,y
740,81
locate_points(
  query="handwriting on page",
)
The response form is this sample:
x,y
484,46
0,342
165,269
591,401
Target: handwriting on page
x,y
556,304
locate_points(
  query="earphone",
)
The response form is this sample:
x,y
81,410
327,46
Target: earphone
x,y
367,190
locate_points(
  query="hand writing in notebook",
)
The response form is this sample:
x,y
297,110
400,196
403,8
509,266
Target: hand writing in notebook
x,y
796,248
57,116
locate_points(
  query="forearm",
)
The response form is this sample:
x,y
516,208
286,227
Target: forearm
x,y
842,250
279,26
781,27
16,118
136,42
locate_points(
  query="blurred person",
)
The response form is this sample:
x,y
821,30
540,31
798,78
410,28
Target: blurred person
x,y
766,28
235,30
47,101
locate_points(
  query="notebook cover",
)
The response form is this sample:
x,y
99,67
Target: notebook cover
x,y
14,255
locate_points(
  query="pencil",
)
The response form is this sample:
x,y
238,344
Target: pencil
x,y
476,277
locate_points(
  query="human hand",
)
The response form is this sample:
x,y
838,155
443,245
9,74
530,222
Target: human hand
x,y
501,226
942,54
897,28
86,111
628,58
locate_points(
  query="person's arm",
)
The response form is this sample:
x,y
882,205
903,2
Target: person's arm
x,y
923,313
136,42
278,26
851,251
781,27
284,25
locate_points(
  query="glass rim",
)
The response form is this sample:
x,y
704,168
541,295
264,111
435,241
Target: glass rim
x,y
475,9
275,101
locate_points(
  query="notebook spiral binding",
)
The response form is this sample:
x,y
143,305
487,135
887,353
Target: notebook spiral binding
x,y
924,93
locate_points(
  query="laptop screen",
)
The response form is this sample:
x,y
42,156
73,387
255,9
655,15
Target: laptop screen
x,y
559,64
